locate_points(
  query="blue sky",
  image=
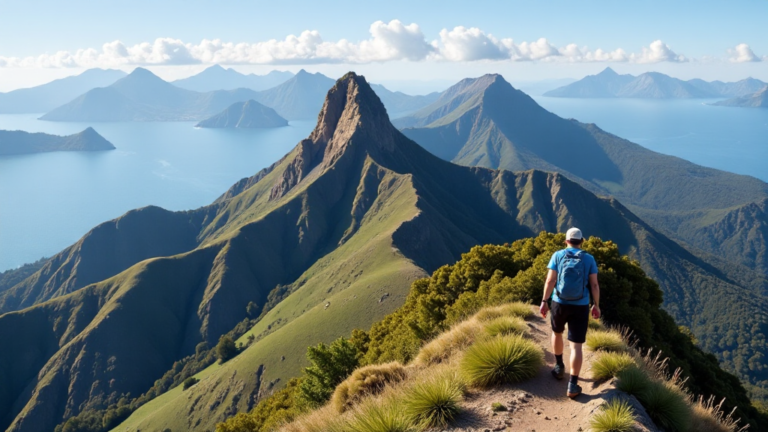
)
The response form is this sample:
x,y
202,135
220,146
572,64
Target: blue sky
x,y
698,38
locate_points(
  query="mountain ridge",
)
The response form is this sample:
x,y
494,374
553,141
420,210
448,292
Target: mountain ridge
x,y
652,85
217,77
248,114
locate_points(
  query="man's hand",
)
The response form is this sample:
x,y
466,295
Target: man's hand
x,y
596,312
544,309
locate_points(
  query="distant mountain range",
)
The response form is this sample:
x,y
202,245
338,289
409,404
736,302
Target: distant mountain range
x,y
143,96
652,85
330,237
398,103
48,96
245,115
218,78
19,142
299,98
755,100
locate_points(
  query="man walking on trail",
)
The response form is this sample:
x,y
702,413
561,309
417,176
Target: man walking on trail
x,y
572,283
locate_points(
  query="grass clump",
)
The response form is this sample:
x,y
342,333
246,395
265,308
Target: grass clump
x,y
366,381
633,380
595,324
448,343
615,415
519,310
506,326
608,364
667,406
435,401
501,360
325,419
381,416
601,340
707,415
498,406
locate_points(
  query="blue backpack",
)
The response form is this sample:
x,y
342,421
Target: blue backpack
x,y
571,277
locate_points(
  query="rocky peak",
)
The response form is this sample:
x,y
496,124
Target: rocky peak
x,y
352,116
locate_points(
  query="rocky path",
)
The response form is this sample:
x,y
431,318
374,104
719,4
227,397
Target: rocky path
x,y
540,404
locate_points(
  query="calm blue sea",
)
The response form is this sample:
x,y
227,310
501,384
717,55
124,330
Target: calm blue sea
x,y
48,201
727,138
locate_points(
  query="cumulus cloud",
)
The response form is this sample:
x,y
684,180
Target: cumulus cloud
x,y
657,52
742,53
392,41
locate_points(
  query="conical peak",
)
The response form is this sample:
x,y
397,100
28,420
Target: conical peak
x,y
608,72
351,104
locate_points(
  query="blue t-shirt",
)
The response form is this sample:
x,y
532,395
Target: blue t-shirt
x,y
588,261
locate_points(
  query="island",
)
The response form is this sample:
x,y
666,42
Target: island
x,y
245,115
19,142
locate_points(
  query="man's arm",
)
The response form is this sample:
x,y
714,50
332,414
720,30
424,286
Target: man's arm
x,y
595,289
549,286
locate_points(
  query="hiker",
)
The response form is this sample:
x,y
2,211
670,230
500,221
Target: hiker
x,y
572,283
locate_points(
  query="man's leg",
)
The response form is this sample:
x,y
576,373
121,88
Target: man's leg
x,y
557,343
576,358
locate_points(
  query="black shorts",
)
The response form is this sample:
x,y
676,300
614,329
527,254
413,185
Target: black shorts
x,y
577,318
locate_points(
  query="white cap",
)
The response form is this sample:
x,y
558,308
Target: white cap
x,y
573,234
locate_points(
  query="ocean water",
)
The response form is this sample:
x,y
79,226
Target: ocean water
x,y
726,138
49,200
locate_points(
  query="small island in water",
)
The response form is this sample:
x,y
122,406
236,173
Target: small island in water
x,y
249,114
20,142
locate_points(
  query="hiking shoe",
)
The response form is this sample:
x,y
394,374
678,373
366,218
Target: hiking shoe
x,y
573,390
559,371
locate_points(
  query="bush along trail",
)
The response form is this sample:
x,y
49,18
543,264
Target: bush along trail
x,y
467,352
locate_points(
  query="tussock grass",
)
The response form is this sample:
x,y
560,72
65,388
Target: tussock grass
x,y
600,340
595,324
608,364
520,310
633,380
434,402
707,415
364,381
325,419
501,360
667,406
506,326
449,343
615,415
380,416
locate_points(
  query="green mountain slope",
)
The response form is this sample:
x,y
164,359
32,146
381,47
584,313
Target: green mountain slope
x,y
20,142
447,205
491,124
331,236
249,114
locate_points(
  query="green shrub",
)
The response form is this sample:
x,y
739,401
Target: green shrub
x,y
501,360
378,416
667,406
600,340
595,324
189,382
615,415
226,349
435,401
331,364
366,381
608,364
633,380
506,326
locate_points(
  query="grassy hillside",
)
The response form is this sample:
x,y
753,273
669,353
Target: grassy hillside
x,y
329,238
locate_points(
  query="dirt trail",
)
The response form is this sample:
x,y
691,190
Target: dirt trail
x,y
540,404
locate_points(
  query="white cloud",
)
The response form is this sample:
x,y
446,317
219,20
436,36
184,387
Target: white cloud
x,y
657,52
393,41
742,53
